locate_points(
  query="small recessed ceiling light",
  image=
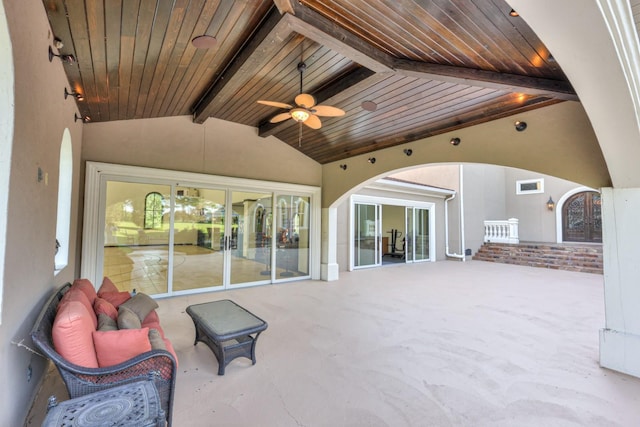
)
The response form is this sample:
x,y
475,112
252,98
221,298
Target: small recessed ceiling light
x,y
369,106
204,42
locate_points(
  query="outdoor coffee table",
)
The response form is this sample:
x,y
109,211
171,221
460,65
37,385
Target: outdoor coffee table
x,y
229,330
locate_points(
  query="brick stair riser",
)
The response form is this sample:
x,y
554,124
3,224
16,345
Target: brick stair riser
x,y
544,256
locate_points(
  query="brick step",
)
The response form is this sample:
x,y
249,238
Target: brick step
x,y
586,259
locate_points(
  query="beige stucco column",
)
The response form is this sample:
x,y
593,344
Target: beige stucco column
x,y
620,338
328,260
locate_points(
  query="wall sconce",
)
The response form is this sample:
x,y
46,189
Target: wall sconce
x,y
371,160
69,59
455,141
513,13
520,126
343,167
83,118
77,95
408,151
550,204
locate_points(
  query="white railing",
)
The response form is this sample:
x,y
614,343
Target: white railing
x,y
502,231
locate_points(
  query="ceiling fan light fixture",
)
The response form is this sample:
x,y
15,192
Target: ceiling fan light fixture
x,y
299,114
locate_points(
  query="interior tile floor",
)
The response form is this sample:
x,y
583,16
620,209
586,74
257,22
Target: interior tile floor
x,y
430,344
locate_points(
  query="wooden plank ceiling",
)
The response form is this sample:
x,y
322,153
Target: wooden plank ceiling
x,y
430,66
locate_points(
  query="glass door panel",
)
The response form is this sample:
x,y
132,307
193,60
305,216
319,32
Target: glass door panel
x,y
249,236
409,242
136,236
366,235
198,255
421,234
292,236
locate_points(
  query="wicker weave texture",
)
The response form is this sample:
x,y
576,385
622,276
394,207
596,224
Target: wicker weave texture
x,y
158,366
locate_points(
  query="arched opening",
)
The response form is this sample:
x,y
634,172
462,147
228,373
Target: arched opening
x,y
582,218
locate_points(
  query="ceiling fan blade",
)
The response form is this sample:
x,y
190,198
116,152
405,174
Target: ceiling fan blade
x,y
275,104
280,117
313,122
305,100
328,111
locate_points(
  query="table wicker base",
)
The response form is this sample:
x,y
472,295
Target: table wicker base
x,y
230,331
130,405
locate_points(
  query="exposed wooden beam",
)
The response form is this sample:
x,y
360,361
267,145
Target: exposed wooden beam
x,y
276,28
489,79
327,33
360,76
262,44
284,6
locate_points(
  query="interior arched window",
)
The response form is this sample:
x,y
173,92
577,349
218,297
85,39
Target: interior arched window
x,y
65,187
153,211
6,134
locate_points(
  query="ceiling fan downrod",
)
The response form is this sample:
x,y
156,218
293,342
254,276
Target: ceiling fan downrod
x,y
301,69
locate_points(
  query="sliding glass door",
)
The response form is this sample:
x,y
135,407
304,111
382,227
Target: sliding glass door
x,y
417,236
163,237
249,239
198,233
367,247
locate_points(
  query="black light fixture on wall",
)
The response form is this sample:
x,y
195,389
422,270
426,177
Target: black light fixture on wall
x,y
520,126
77,95
83,118
408,151
371,160
550,204
69,59
455,141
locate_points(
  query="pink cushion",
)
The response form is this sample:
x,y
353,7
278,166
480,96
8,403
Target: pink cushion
x,y
113,347
77,295
87,287
101,305
115,298
72,334
107,286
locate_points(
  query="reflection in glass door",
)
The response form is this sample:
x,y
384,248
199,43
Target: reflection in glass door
x,y
367,236
136,236
249,236
198,255
292,236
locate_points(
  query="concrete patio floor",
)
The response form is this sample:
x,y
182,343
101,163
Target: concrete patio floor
x,y
430,344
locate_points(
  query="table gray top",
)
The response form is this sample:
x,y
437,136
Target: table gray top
x,y
225,317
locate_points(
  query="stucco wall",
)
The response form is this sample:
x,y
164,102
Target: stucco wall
x,y
41,115
215,147
557,136
536,222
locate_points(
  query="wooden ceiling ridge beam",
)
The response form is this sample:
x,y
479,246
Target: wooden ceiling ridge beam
x,y
262,44
351,82
558,89
326,32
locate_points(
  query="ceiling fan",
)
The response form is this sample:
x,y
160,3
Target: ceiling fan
x,y
305,111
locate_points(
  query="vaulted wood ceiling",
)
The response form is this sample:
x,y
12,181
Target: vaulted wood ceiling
x,y
430,66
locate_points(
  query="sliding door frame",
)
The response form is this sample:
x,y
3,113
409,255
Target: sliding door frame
x,y
364,199
97,173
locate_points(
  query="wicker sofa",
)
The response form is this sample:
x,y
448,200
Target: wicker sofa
x,y
158,365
